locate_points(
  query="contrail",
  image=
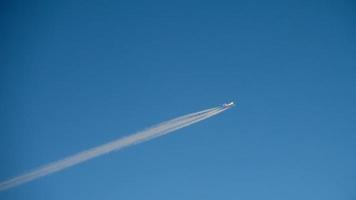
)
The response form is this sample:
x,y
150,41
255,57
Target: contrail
x,y
145,135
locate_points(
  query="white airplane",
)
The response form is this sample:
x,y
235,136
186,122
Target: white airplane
x,y
228,105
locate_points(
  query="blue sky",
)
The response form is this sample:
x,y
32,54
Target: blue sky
x,y
76,74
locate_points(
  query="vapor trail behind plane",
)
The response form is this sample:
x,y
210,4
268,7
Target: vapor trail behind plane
x,y
150,133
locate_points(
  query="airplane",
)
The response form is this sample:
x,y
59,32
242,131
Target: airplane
x,y
229,105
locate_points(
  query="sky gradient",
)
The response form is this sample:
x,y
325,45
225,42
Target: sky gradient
x,y
77,74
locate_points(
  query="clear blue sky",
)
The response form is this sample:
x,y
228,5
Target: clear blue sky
x,y
76,74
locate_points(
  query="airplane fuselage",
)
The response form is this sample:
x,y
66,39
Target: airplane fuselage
x,y
228,105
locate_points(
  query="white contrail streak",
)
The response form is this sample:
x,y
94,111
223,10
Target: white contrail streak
x,y
150,133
